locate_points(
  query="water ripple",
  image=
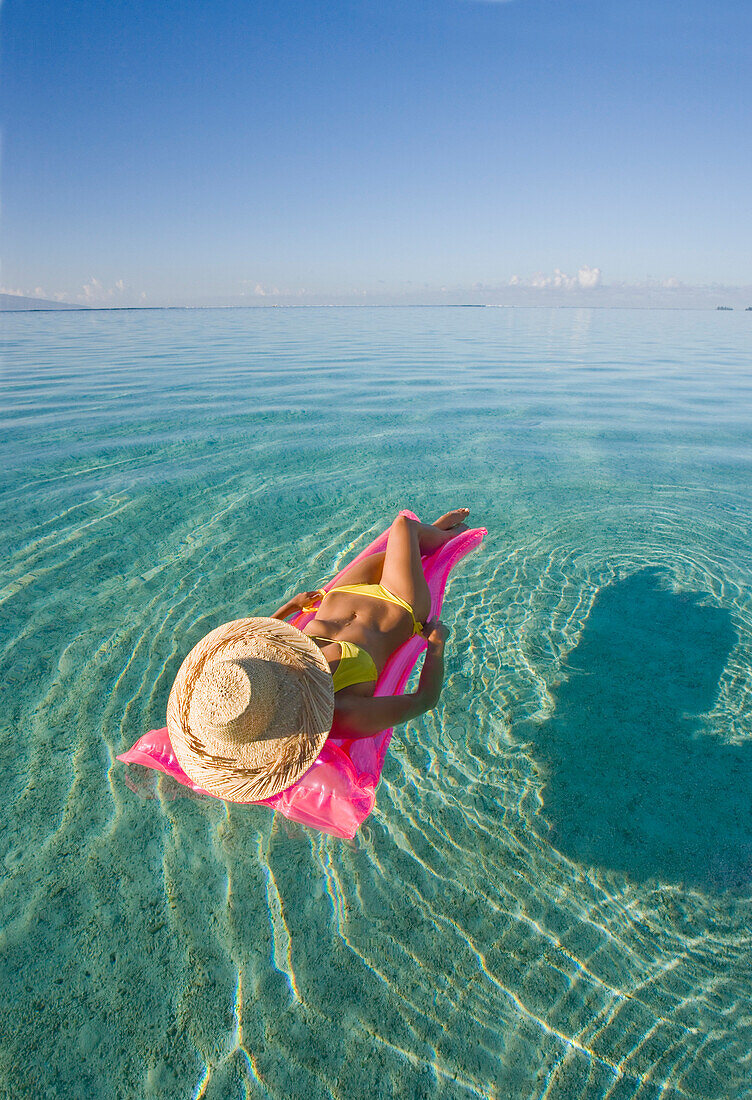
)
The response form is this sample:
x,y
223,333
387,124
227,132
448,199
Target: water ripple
x,y
518,917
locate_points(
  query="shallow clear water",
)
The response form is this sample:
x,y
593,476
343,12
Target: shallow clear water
x,y
553,896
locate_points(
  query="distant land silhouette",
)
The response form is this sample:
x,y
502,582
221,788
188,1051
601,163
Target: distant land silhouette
x,y
17,301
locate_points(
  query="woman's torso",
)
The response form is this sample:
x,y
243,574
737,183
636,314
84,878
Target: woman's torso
x,y
374,625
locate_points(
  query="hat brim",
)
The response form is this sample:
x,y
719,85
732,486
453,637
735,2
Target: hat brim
x,y
270,763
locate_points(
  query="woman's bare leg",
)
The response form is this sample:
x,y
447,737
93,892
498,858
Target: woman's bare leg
x,y
367,571
370,570
402,571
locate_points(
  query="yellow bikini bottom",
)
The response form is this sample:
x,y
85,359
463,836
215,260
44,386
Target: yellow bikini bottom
x,y
355,666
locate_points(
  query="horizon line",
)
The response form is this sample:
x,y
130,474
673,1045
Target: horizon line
x,y
66,307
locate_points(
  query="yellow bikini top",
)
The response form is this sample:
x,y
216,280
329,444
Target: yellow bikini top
x,y
355,666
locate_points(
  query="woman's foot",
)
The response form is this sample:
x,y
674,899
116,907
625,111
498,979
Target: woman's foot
x,y
452,519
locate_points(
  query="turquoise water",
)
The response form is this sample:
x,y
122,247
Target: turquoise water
x,y
553,897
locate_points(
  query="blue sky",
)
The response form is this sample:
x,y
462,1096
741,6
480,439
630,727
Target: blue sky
x,y
374,150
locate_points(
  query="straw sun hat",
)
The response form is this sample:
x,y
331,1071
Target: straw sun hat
x,y
250,709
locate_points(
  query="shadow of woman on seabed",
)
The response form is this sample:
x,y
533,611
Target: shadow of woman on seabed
x,y
632,782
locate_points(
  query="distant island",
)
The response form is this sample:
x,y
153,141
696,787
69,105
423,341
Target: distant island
x,y
730,308
17,301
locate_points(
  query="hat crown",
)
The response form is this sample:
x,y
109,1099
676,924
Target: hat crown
x,y
235,698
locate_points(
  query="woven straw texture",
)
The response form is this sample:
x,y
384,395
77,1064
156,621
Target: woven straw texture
x,y
250,708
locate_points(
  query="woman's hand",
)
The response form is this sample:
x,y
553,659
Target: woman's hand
x,y
297,603
435,633
305,599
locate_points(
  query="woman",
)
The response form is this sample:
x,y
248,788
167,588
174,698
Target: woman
x,y
380,603
254,702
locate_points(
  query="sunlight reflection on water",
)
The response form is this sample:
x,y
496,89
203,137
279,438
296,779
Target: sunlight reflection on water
x,y
554,893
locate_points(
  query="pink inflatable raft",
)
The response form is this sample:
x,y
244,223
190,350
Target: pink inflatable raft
x,y
338,791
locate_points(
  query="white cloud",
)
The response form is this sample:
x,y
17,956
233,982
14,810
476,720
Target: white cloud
x,y
251,289
95,293
37,292
91,291
586,279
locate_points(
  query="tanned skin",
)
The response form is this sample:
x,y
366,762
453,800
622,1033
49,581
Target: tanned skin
x,y
381,627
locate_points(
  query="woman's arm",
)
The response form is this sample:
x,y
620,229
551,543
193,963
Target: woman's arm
x,y
357,717
297,603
